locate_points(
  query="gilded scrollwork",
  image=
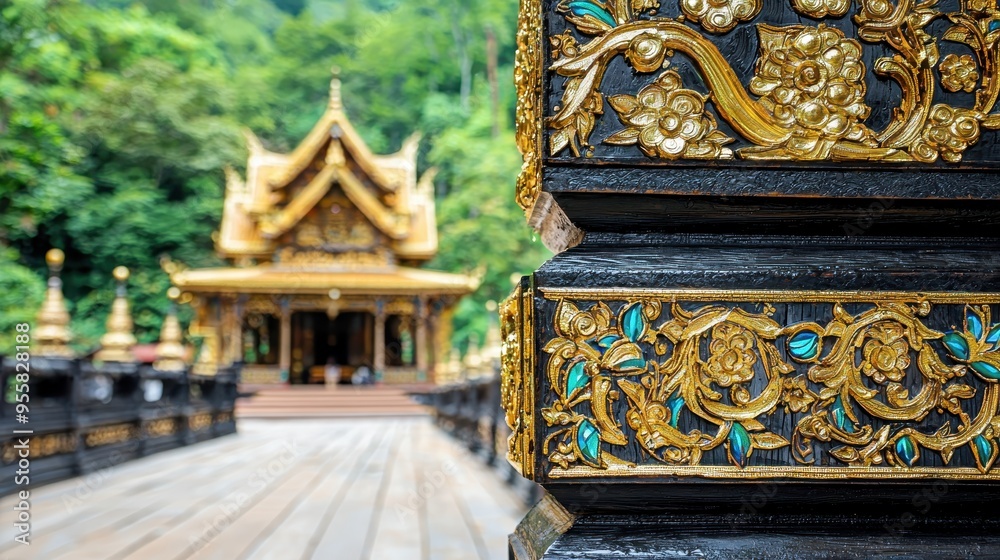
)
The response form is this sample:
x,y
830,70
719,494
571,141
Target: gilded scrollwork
x,y
872,387
807,100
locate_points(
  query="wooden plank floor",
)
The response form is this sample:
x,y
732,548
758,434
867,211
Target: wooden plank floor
x,y
379,488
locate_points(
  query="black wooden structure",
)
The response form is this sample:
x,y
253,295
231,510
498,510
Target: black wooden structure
x,y
772,328
86,416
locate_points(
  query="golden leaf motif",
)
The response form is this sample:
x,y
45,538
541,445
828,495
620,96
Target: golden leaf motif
x,y
769,440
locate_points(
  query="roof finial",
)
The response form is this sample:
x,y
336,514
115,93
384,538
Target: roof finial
x,y
335,101
117,342
52,334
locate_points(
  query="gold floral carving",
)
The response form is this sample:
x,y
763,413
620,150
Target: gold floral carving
x,y
869,391
821,8
517,378
719,16
809,80
161,427
958,73
199,422
108,435
668,121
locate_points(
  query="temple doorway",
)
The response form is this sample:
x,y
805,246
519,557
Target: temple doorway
x,y
317,340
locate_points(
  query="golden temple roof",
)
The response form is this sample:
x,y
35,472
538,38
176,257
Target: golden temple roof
x,y
281,189
395,280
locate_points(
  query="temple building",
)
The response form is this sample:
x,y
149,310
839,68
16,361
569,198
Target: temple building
x,y
324,246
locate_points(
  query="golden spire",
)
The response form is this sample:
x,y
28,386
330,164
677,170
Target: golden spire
x,y
117,342
336,103
52,334
208,357
170,350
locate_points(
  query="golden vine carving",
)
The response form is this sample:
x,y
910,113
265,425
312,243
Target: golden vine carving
x,y
810,80
872,388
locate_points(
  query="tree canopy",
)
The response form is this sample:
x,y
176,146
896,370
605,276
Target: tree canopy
x,y
118,117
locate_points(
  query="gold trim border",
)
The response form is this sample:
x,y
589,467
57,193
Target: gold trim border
x,y
517,383
528,62
830,474
763,472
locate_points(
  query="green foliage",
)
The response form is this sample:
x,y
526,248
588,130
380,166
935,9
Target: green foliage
x,y
21,293
118,116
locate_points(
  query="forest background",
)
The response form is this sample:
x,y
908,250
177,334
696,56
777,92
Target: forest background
x,y
117,119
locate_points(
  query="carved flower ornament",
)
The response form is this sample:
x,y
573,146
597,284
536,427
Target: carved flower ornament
x,y
886,354
812,80
719,16
948,131
958,73
822,8
732,358
668,121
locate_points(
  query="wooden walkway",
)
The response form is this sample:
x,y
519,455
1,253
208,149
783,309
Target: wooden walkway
x,y
282,489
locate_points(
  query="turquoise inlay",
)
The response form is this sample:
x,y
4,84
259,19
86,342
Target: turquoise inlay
x,y
994,26
576,379
582,8
739,445
607,341
633,323
907,450
975,325
993,337
804,345
675,404
589,441
840,418
986,369
957,345
984,449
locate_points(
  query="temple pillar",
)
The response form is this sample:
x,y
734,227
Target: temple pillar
x,y
420,345
285,352
771,341
379,364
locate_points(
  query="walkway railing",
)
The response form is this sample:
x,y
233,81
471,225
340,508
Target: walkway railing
x,y
82,416
470,411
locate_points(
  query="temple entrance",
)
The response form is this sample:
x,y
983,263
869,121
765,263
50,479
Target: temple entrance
x,y
317,340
